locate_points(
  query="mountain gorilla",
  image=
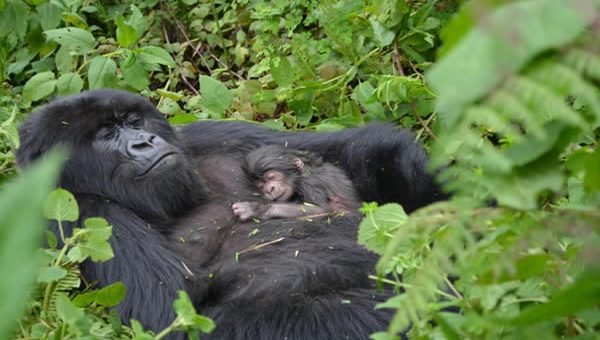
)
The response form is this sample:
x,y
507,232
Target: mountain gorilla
x,y
168,195
295,183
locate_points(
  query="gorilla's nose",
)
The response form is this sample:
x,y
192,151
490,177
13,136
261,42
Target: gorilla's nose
x,y
145,145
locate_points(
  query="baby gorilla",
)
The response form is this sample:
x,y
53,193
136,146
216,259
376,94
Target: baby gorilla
x,y
298,184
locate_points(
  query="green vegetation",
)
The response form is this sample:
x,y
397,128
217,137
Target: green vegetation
x,y
504,93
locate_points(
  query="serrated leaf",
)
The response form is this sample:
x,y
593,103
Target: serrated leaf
x,y
102,73
50,274
77,40
377,228
39,86
155,55
216,97
97,231
486,54
584,293
61,206
69,83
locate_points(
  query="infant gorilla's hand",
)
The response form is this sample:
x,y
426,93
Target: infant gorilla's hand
x,y
244,210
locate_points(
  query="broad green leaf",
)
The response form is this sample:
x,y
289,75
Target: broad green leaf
x,y
282,72
108,296
49,15
484,56
21,233
65,62
382,35
127,36
69,83
77,40
13,20
155,55
378,227
101,73
134,73
39,86
61,206
216,97
50,274
188,316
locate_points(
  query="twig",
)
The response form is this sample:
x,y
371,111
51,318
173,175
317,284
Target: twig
x,y
186,268
424,124
262,245
189,85
397,59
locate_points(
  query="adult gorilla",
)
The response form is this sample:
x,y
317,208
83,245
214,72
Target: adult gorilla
x,y
168,195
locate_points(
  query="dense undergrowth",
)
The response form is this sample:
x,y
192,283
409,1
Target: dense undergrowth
x,y
503,93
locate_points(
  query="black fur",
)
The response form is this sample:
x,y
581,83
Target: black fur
x,y
293,279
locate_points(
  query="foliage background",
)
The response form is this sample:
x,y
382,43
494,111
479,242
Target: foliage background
x,y
504,93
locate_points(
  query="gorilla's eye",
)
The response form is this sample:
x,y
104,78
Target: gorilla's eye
x,y
133,120
105,132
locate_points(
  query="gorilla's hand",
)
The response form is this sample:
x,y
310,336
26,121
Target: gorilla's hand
x,y
244,210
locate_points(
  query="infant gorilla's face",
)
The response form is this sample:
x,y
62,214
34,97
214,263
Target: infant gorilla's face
x,y
276,186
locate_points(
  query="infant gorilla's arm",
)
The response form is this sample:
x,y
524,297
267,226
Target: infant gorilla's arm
x,y
246,210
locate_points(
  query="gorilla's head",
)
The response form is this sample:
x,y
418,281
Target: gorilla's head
x,y
120,147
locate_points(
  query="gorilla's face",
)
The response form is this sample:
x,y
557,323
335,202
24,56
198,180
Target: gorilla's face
x,y
120,148
143,154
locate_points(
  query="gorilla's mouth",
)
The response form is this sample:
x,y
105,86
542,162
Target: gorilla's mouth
x,y
157,163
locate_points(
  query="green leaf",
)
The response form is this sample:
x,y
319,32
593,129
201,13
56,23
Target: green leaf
x,y
138,331
282,72
591,181
583,294
188,317
21,233
216,97
382,35
49,15
77,40
108,296
377,228
69,83
39,86
61,206
484,56
13,20
94,244
102,73
50,274
127,36
134,73
155,55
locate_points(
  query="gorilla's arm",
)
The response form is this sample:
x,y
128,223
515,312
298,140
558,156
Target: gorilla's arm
x,y
384,163
151,272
